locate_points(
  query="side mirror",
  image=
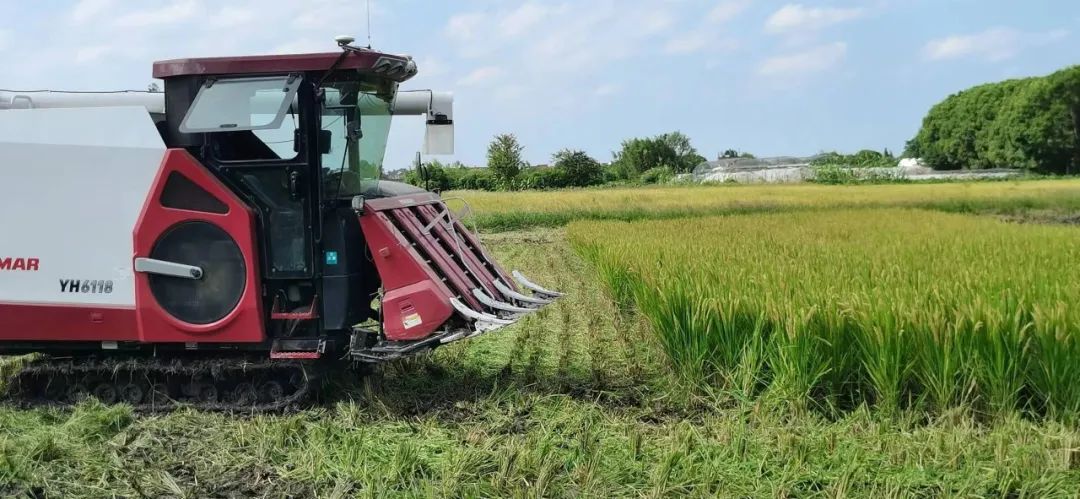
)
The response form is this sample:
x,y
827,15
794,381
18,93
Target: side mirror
x,y
325,139
422,172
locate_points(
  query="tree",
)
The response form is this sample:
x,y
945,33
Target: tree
x,y
504,158
578,169
1026,123
732,153
687,158
639,155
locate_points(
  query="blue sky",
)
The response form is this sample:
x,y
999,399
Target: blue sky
x,y
769,77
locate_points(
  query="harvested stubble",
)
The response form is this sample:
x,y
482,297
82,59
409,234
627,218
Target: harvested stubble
x,y
893,307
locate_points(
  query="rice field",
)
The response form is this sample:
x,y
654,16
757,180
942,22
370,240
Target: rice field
x,y
894,308
577,401
749,349
500,211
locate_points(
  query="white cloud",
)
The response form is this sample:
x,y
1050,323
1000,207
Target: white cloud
x,y
88,10
465,27
709,33
326,17
696,41
688,42
812,60
510,92
481,76
231,17
92,53
727,10
794,19
175,13
519,21
302,45
430,66
560,37
995,44
654,21
607,89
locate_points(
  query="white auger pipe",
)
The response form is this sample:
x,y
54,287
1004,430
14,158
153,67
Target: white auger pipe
x,y
436,107
154,102
406,103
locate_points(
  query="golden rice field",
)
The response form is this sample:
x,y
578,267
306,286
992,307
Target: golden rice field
x,y
516,210
896,308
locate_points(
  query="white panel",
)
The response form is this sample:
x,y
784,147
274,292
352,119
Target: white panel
x,y
439,139
72,184
98,126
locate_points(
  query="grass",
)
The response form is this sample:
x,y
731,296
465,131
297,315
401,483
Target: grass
x,y
577,401
501,211
894,307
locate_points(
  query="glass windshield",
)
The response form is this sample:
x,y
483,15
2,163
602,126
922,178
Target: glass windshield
x,y
236,104
358,116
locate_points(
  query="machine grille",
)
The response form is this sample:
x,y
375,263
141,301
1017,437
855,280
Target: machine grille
x,y
216,294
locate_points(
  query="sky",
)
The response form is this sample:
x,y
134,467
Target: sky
x,y
767,77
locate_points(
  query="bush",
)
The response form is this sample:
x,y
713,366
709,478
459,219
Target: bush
x,y
1028,123
578,168
438,179
541,178
657,175
865,158
834,174
479,179
671,150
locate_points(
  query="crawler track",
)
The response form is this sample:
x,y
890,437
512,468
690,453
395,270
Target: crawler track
x,y
227,384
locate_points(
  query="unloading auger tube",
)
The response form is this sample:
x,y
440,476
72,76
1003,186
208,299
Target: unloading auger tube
x,y
232,242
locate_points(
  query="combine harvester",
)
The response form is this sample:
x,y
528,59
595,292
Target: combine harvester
x,y
222,243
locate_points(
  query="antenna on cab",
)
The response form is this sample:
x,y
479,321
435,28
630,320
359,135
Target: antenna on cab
x,y
368,24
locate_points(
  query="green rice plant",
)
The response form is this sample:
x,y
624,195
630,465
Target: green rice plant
x,y
799,362
940,368
1054,376
891,307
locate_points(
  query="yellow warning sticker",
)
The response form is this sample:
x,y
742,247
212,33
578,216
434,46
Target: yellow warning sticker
x,y
412,320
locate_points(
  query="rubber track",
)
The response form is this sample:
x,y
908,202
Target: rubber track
x,y
224,371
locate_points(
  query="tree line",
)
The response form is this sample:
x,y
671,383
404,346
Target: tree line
x,y
1031,123
638,161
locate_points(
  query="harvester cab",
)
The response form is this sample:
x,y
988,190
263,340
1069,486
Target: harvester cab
x,y
237,216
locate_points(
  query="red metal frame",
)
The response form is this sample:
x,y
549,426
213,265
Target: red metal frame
x,y
277,314
483,255
429,215
295,355
245,323
455,275
415,301
61,322
392,226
